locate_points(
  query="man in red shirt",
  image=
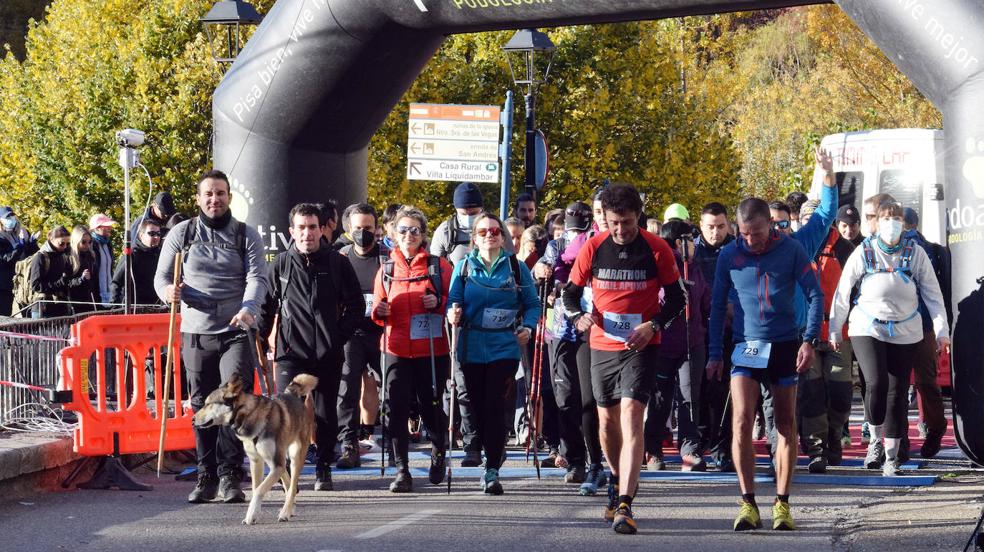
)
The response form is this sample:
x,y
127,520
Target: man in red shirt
x,y
625,267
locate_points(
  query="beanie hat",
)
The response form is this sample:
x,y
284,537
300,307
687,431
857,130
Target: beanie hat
x,y
467,195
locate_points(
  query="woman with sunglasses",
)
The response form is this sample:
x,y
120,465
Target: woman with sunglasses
x,y
410,296
81,266
885,326
497,316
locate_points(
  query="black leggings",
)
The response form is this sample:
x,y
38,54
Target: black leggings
x,y
407,378
323,398
886,368
492,385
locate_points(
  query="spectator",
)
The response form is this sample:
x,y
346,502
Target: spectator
x,y
81,266
525,209
16,244
676,212
143,265
161,209
515,227
795,201
849,224
554,224
101,227
48,276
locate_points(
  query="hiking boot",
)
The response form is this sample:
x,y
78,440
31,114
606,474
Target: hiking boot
x,y
551,460
438,468
891,468
748,518
595,478
782,518
931,446
693,463
403,483
205,490
623,522
472,459
655,462
876,455
818,464
230,490
575,474
612,500
322,479
350,458
490,482
725,465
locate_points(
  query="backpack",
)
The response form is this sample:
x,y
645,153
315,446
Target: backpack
x,y
517,277
452,231
433,272
904,267
23,294
191,235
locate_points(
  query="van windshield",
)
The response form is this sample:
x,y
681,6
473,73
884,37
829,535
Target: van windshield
x,y
849,187
905,186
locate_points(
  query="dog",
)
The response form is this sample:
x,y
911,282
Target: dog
x,y
271,430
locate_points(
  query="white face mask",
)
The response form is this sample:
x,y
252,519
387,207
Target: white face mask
x,y
10,223
466,221
889,230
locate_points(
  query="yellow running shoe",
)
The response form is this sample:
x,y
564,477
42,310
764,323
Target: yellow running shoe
x,y
748,518
623,522
782,519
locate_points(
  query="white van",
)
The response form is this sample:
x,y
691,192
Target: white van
x,y
906,163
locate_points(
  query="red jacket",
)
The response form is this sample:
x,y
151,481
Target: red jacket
x,y
407,317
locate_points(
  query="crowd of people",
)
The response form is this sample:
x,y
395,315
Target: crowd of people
x,y
642,325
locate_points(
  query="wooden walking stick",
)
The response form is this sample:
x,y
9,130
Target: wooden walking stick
x,y
264,366
163,410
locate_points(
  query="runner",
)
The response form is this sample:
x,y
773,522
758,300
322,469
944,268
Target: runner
x,y
626,267
762,268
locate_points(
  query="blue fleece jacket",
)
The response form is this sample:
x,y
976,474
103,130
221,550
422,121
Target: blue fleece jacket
x,y
764,286
491,306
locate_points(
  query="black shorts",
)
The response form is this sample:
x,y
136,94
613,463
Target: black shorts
x,y
617,375
781,370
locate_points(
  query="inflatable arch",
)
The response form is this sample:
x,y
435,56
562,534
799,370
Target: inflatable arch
x,y
341,66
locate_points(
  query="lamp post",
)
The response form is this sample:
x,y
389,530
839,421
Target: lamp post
x,y
228,17
525,46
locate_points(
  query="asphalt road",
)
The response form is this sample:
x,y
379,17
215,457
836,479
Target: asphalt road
x,y
533,515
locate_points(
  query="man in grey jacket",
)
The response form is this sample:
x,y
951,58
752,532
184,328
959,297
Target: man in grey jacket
x,y
221,294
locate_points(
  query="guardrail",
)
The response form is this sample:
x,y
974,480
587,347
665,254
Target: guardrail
x,y
29,355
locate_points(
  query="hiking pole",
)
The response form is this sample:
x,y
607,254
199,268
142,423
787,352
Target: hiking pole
x,y
382,402
261,359
454,391
686,316
536,378
163,408
531,417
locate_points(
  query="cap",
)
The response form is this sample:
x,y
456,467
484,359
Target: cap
x,y
467,195
848,214
165,203
910,216
577,216
5,211
676,211
99,219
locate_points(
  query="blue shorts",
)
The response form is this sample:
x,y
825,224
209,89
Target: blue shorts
x,y
781,370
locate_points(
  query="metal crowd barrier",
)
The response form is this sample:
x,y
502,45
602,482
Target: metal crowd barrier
x,y
34,361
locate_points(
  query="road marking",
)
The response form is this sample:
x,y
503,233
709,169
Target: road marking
x,y
397,524
420,5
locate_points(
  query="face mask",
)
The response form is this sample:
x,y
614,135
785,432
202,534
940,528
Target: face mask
x,y
889,230
466,221
363,238
10,223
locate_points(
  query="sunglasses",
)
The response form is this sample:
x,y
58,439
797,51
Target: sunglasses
x,y
494,231
781,225
413,230
154,234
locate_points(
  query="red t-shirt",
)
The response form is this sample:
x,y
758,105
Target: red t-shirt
x,y
625,282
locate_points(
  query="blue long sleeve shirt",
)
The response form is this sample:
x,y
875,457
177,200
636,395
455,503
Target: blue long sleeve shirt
x,y
763,286
811,236
491,308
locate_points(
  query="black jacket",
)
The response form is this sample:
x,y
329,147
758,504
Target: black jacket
x,y
80,291
144,261
706,257
318,300
9,255
49,275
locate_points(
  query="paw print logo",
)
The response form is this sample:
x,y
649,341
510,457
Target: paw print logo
x,y
242,200
973,168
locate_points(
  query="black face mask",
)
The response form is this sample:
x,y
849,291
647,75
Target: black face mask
x,y
363,238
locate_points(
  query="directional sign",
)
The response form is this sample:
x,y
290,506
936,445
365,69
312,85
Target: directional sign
x,y
453,142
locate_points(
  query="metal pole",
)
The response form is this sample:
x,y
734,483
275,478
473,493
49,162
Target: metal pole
x,y
505,151
128,154
530,143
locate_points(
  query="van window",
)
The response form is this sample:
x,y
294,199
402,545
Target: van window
x,y
849,187
905,186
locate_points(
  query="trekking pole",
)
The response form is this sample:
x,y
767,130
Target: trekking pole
x,y
163,409
686,316
454,391
430,343
531,415
382,403
536,378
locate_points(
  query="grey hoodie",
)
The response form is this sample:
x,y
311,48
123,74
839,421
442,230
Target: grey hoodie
x,y
218,281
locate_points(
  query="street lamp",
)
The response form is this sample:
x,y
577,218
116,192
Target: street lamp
x,y
524,47
229,16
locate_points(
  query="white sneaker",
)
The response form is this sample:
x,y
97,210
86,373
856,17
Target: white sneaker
x,y
368,446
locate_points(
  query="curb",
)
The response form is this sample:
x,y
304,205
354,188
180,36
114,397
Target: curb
x,y
32,462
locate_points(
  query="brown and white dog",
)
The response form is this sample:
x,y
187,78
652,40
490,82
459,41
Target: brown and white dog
x,y
271,430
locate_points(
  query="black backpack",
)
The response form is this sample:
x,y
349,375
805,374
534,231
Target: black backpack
x,y
191,238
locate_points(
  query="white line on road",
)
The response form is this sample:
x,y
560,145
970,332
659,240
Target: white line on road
x,y
394,525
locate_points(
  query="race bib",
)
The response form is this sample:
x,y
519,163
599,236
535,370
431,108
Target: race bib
x,y
420,324
619,326
752,354
497,319
368,297
559,317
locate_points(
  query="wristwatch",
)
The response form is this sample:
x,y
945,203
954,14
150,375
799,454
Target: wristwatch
x,y
815,342
654,325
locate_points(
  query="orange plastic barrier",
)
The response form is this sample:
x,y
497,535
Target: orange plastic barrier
x,y
129,426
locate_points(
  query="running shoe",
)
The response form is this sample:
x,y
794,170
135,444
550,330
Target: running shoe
x,y
612,501
595,478
782,518
655,462
403,483
575,474
876,455
438,467
748,518
865,434
891,468
693,463
622,521
490,482
818,464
